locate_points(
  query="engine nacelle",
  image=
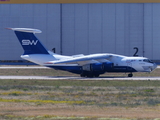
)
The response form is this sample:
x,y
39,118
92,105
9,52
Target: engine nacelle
x,y
107,66
98,66
93,67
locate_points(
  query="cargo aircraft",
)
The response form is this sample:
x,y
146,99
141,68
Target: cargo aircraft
x,y
86,65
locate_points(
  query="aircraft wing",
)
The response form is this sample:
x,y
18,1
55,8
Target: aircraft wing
x,y
84,59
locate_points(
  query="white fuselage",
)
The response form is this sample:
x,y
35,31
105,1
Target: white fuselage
x,y
140,64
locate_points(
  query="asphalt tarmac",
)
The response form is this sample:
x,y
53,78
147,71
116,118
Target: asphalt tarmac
x,y
66,77
76,78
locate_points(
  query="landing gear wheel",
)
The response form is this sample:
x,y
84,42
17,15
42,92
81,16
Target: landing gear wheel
x,y
82,75
90,75
130,75
96,75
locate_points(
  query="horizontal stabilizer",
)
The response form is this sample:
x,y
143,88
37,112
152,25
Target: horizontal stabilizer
x,y
29,30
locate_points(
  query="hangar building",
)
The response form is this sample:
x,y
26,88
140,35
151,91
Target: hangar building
x,y
78,27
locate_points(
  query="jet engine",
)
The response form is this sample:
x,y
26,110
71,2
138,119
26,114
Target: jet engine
x,y
93,67
98,66
107,66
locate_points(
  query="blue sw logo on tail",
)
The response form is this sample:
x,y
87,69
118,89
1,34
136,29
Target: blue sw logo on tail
x,y
30,43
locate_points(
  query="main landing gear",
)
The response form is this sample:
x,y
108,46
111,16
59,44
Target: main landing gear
x,y
90,75
130,75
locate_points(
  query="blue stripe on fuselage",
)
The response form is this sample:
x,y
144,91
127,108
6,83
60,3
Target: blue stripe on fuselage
x,y
72,69
78,69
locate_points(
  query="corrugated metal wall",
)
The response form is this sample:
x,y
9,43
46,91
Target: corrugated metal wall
x,y
84,28
45,17
92,28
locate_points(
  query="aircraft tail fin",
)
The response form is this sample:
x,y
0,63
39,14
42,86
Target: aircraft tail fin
x,y
30,43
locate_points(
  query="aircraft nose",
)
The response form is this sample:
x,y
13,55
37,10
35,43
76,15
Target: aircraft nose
x,y
154,66
150,68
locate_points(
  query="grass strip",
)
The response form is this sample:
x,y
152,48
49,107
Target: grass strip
x,y
54,117
104,83
43,101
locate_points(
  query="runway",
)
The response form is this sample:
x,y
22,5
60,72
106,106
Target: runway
x,y
75,78
65,77
23,67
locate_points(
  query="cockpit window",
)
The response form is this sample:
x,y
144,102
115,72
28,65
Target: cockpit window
x,y
147,60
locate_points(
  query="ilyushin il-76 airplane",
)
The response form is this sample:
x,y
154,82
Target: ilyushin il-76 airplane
x,y
86,65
